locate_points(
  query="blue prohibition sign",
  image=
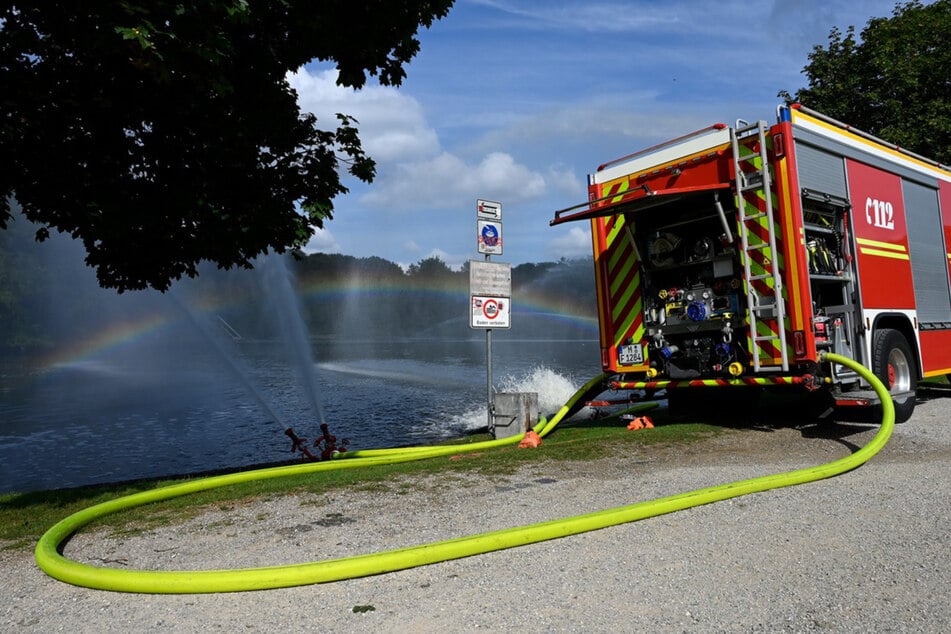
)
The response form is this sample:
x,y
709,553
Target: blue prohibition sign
x,y
490,236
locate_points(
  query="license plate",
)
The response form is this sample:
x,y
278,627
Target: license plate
x,y
630,355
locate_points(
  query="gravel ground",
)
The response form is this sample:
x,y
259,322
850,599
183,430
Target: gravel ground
x,y
866,551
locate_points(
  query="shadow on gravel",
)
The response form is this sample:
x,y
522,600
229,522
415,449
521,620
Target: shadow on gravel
x,y
932,391
809,413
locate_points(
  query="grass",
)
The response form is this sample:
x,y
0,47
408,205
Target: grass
x,y
25,517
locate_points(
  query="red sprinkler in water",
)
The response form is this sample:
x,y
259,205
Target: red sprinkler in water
x,y
298,444
327,443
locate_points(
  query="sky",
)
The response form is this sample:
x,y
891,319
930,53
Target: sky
x,y
517,101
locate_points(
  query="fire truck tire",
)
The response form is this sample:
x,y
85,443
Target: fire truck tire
x,y
894,363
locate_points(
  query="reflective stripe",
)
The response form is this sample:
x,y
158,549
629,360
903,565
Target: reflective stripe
x,y
884,254
881,245
738,382
882,249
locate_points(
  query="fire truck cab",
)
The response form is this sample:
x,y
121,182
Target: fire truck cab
x,y
732,257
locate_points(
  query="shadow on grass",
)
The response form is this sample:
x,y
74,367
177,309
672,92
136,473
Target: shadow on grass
x,y
809,413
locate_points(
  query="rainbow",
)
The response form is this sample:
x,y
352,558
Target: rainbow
x,y
130,331
113,337
120,329
535,304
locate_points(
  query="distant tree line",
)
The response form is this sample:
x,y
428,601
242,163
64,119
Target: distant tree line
x,y
45,298
429,296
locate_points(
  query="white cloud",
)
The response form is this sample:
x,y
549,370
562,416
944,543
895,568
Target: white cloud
x,y
413,171
448,181
322,242
574,244
564,181
392,125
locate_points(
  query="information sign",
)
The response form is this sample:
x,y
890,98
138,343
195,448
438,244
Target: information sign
x,y
489,210
490,278
490,312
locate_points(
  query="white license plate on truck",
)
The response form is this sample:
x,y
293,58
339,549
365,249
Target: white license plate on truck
x,y
631,354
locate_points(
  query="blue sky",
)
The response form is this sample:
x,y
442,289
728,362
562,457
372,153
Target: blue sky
x,y
518,100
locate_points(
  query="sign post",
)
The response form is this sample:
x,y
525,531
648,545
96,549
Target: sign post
x,y
490,287
490,306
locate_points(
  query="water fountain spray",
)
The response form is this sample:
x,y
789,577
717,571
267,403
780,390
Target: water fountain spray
x,y
278,289
230,359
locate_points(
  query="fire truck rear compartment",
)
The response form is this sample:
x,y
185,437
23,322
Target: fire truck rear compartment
x,y
693,291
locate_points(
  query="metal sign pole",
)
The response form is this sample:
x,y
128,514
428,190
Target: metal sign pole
x,y
493,293
489,407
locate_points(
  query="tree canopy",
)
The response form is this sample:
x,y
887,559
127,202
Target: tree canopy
x,y
892,81
165,133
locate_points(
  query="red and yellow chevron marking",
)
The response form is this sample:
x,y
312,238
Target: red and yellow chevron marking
x,y
738,382
624,292
619,265
618,188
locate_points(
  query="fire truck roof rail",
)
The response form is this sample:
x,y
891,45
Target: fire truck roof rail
x,y
660,146
865,135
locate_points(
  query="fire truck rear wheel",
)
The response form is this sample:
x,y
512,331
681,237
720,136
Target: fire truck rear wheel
x,y
894,363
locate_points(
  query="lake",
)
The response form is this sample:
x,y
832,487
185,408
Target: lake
x,y
174,405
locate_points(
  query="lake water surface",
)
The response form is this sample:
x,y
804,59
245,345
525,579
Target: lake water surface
x,y
171,407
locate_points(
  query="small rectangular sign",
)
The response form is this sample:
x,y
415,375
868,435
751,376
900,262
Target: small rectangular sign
x,y
632,354
488,210
490,312
490,278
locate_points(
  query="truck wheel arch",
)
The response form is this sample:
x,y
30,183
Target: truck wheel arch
x,y
901,323
895,361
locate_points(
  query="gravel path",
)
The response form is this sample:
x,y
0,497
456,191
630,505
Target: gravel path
x,y
866,551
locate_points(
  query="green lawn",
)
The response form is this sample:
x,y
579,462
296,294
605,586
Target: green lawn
x,y
25,517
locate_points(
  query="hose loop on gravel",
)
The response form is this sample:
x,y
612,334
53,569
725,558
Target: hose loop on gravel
x,y
51,561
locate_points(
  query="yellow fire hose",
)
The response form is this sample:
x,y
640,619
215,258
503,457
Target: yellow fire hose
x,y
50,560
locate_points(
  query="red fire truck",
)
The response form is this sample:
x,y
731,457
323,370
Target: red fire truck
x,y
732,257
